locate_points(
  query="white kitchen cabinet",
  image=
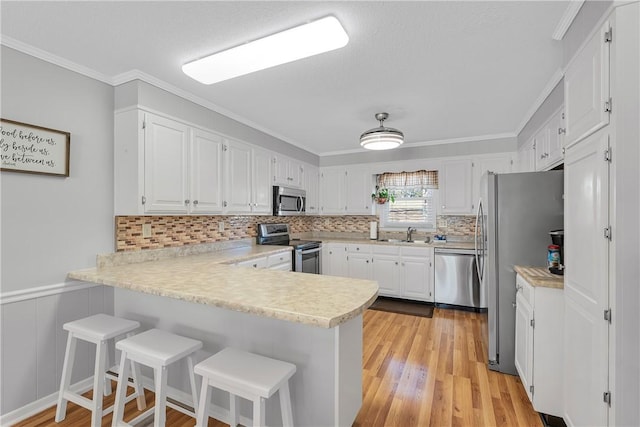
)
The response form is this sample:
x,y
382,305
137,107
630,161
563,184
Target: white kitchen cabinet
x,y
497,163
586,88
456,194
164,166
332,191
359,261
312,187
281,261
261,189
259,262
417,273
549,142
526,157
247,182
539,344
334,259
287,172
386,269
359,185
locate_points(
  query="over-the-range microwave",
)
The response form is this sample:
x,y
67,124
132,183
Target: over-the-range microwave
x,y
289,201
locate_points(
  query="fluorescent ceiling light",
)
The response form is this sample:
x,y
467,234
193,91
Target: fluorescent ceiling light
x,y
296,43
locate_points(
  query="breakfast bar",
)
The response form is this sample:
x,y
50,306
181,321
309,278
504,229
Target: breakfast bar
x,y
312,321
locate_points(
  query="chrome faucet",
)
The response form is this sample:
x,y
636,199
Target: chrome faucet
x,y
410,231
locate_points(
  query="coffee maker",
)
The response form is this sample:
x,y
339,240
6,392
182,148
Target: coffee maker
x,y
557,238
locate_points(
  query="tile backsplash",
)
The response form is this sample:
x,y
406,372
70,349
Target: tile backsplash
x,y
173,231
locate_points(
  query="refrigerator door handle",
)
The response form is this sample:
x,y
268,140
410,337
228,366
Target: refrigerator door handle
x,y
475,241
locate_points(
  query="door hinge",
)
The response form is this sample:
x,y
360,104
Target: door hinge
x,y
144,200
224,147
531,389
532,322
608,156
606,397
608,35
144,124
607,233
608,105
607,315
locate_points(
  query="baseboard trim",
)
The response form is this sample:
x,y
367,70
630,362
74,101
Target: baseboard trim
x,y
43,291
40,405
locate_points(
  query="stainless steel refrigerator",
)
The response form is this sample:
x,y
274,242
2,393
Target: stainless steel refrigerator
x,y
515,214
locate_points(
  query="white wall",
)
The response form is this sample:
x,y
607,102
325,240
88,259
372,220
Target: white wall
x,y
51,225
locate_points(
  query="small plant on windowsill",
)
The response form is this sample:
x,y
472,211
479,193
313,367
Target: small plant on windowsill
x,y
382,195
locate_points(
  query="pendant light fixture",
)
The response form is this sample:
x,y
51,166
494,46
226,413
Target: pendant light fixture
x,y
381,138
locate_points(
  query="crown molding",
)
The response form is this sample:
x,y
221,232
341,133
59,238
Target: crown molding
x,y
567,18
553,82
428,143
54,59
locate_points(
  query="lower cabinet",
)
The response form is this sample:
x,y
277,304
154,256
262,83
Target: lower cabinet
x,y
280,261
334,259
539,344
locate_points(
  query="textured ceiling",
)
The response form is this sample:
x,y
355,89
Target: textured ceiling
x,y
443,70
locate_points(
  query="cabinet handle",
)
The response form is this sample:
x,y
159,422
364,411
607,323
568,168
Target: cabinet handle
x,y
255,265
186,202
396,262
195,202
367,261
561,131
357,249
224,204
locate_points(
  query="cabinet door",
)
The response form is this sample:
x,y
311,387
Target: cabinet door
x,y
295,173
254,263
541,139
206,172
312,186
334,262
586,89
332,191
166,164
556,139
456,195
527,157
416,280
280,171
261,189
586,281
238,178
359,189
524,342
386,270
359,266
498,163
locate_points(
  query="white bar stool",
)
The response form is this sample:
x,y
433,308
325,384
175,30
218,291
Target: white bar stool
x,y
97,329
247,375
157,349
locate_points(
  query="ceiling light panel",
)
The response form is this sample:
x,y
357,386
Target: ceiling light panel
x,y
306,40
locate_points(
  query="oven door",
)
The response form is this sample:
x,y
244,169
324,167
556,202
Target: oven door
x,y
308,261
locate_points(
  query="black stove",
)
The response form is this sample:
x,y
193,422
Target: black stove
x,y
307,253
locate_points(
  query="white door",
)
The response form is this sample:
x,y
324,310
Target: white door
x,y
524,342
586,281
359,266
312,186
415,278
556,139
261,189
586,88
386,270
281,171
359,189
332,191
238,178
527,157
541,139
166,165
334,260
456,195
206,172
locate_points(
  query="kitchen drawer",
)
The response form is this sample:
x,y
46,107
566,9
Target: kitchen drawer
x,y
385,250
280,258
362,249
255,263
525,289
425,252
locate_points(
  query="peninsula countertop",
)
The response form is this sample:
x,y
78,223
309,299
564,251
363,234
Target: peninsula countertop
x,y
540,277
206,278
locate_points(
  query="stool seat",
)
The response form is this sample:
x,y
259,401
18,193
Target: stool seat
x,y
246,375
101,327
98,329
251,372
158,347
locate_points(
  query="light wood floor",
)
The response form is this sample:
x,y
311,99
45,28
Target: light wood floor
x,y
417,372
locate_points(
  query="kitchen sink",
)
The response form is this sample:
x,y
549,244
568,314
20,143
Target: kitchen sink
x,y
403,241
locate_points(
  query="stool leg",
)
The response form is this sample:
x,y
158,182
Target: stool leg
x,y
160,413
202,417
67,367
233,410
121,391
137,385
259,419
285,405
192,380
98,384
107,382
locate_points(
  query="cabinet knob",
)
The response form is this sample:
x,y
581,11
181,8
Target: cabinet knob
x,y
195,202
255,265
224,204
186,202
367,261
396,262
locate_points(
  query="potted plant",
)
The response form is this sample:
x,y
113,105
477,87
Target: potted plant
x,y
382,195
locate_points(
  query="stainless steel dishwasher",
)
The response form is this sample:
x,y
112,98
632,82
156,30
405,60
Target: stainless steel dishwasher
x,y
456,278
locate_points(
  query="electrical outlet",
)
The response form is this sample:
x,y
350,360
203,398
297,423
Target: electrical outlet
x,y
146,230
221,226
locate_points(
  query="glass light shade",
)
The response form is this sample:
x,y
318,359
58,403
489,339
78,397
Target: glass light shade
x,y
381,139
306,40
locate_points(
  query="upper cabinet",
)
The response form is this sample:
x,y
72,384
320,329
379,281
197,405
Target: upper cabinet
x,y
346,190
456,194
586,88
311,179
549,142
287,172
526,157
206,172
247,178
496,163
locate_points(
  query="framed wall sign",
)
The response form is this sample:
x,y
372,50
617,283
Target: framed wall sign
x,y
33,149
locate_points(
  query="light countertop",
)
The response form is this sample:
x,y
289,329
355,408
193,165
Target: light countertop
x,y
540,277
205,278
363,241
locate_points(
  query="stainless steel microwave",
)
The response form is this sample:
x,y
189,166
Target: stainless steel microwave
x,y
289,201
